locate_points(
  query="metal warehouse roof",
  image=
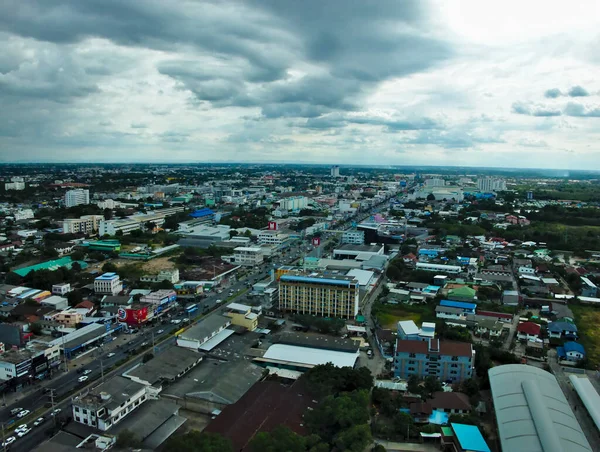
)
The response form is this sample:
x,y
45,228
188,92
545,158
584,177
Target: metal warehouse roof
x,y
532,412
458,304
310,356
588,395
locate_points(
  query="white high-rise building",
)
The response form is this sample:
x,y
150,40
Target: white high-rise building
x,y
17,184
77,197
435,182
335,171
490,184
293,203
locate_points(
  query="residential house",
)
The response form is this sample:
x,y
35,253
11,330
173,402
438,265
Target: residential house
x,y
464,293
571,351
468,308
499,316
489,327
562,330
449,313
510,297
450,402
528,331
588,288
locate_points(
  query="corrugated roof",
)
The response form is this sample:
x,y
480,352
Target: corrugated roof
x,y
470,438
310,356
532,412
458,304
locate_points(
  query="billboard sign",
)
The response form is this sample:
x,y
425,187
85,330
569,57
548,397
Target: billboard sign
x,y
316,241
132,316
272,225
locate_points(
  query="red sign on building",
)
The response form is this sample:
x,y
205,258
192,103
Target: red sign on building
x,y
316,241
272,225
133,315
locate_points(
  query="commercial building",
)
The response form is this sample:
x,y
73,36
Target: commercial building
x,y
18,367
77,197
206,334
85,225
108,283
135,314
246,255
17,183
353,237
532,412
319,294
61,289
358,252
52,265
242,315
105,246
135,222
69,318
159,297
445,360
56,302
272,238
110,402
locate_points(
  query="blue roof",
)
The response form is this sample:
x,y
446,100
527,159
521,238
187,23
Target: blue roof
x,y
562,326
204,212
308,279
470,437
573,347
458,304
107,276
560,351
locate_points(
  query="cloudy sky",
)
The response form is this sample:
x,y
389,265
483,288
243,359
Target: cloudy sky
x,y
509,84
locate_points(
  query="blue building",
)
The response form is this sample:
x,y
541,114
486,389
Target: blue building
x,y
446,360
205,213
461,260
468,308
562,330
571,351
430,252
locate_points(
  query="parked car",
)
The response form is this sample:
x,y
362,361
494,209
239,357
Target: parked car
x,y
87,372
15,411
21,427
160,331
22,433
82,379
55,412
23,414
9,441
110,355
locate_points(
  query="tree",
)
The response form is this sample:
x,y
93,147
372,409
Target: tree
x,y
109,267
74,297
76,267
77,255
35,328
413,384
430,197
355,438
403,422
431,385
280,439
196,441
108,214
393,273
470,387
127,439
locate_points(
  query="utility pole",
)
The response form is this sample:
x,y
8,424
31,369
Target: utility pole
x,y
65,354
102,370
3,439
52,403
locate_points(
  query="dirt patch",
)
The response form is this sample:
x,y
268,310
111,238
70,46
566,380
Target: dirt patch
x,y
195,421
155,265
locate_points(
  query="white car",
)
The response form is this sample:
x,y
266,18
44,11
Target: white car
x,y
87,372
39,421
22,433
21,428
55,412
23,413
110,355
82,379
160,331
9,441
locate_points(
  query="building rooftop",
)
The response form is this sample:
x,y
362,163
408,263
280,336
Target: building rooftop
x,y
449,348
409,327
206,327
534,398
266,405
109,394
316,278
470,438
50,265
107,277
166,366
317,341
458,304
308,356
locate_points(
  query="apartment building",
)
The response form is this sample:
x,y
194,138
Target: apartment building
x,y
77,197
86,224
69,317
319,294
445,360
246,255
110,402
108,283
293,203
17,183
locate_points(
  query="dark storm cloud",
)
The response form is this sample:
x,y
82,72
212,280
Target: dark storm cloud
x,y
522,108
390,124
553,93
578,91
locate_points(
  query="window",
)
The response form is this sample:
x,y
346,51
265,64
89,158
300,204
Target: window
x,y
453,365
455,358
453,372
412,355
77,418
77,409
411,369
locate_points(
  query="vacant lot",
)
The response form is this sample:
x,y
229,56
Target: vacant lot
x,y
160,263
389,315
587,319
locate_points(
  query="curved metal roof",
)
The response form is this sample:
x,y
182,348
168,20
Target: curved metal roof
x,y
532,412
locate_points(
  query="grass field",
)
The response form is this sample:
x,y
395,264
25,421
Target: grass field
x,y
587,319
389,315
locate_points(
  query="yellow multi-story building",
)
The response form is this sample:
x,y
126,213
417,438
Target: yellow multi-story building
x,y
242,315
319,294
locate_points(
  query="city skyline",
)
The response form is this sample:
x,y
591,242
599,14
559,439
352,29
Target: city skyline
x,y
508,85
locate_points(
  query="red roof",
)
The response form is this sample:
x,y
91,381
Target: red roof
x,y
85,304
498,315
530,328
449,348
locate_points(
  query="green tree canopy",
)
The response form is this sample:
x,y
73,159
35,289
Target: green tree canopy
x,y
196,441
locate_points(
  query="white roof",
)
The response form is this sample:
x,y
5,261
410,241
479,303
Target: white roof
x,y
356,329
588,394
364,277
549,281
310,356
409,327
532,412
251,249
216,340
238,307
284,373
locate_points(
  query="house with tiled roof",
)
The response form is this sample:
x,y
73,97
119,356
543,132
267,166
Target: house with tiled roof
x,y
528,331
571,351
562,330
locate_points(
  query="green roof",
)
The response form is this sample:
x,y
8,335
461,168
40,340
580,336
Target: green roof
x,y
464,291
49,265
447,431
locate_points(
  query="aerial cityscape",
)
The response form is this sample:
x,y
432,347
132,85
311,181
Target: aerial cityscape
x,y
311,226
